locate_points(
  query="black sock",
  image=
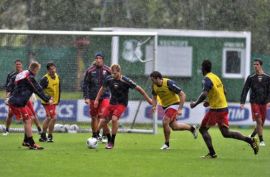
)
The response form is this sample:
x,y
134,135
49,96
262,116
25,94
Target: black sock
x,y
192,129
43,135
98,133
167,143
109,137
25,138
212,151
248,140
39,129
113,138
50,136
254,133
261,138
94,134
31,141
7,129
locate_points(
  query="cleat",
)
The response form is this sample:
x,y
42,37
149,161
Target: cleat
x,y
26,144
42,139
5,134
109,146
195,132
209,156
254,145
262,143
36,147
104,139
165,147
50,140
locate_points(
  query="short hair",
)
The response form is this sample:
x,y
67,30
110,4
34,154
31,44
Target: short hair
x,y
156,74
116,67
206,65
33,65
49,65
99,53
258,60
17,60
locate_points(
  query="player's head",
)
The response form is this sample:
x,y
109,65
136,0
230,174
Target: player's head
x,y
51,68
206,67
257,64
18,65
116,71
156,77
34,67
99,59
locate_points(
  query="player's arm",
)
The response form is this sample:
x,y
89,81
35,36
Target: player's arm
x,y
144,94
85,87
44,82
245,92
207,86
100,92
173,87
37,89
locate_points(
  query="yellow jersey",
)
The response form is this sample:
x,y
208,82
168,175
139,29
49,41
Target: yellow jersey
x,y
167,93
216,95
51,87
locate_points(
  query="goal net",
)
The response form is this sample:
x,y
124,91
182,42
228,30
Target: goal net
x,y
73,52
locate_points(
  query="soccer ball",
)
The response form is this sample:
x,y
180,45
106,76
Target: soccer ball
x,y
92,143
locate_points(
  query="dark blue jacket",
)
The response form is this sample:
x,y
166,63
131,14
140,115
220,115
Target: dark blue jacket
x,y
25,86
93,80
10,85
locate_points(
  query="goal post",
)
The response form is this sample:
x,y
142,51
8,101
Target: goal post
x,y
127,48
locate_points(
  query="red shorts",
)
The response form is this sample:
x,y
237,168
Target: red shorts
x,y
171,114
50,110
100,109
114,110
258,111
212,118
24,113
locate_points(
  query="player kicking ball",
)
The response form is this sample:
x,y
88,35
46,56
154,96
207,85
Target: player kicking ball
x,y
171,98
213,89
119,86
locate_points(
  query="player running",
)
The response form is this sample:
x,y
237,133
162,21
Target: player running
x,y
259,85
119,86
10,84
25,86
172,99
50,84
213,89
93,79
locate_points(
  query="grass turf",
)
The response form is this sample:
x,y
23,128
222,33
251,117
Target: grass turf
x,y
134,155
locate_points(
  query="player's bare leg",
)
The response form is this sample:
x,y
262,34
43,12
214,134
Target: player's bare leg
x,y
177,126
43,136
259,129
167,132
94,126
237,135
208,141
114,128
8,123
37,123
50,129
29,136
104,123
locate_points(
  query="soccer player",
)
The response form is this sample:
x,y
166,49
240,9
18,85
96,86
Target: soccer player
x,y
213,89
172,99
93,79
119,86
259,85
10,84
25,86
50,84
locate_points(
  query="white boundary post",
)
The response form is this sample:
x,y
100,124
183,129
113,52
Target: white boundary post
x,y
155,116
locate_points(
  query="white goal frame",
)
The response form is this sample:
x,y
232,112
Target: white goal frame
x,y
114,35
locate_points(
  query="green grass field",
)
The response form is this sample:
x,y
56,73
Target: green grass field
x,y
134,155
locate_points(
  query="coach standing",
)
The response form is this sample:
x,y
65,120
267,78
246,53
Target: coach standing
x,y
259,85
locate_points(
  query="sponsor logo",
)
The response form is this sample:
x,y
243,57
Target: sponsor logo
x,y
237,114
149,115
3,109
